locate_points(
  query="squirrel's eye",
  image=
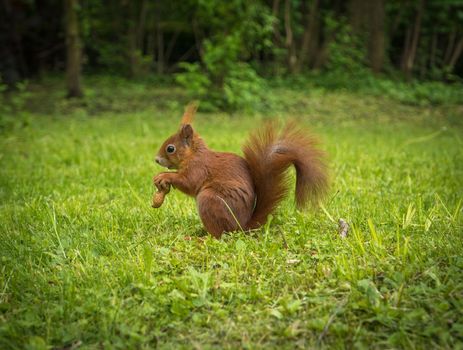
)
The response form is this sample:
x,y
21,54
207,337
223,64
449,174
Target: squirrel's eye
x,y
170,149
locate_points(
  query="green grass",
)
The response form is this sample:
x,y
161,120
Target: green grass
x,y
85,262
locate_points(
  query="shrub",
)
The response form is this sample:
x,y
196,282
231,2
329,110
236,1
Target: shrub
x,y
222,80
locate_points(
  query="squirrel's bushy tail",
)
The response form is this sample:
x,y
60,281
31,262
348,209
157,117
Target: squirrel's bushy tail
x,y
269,154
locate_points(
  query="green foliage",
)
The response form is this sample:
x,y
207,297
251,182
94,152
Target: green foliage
x,y
135,38
222,80
194,80
98,35
86,262
110,57
347,53
419,93
225,79
424,93
347,63
13,99
243,88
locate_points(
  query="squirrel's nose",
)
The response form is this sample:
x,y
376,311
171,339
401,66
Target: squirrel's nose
x,y
157,160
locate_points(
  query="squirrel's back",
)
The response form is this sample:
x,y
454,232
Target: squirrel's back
x,y
269,153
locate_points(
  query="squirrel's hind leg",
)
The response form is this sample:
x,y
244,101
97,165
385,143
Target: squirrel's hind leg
x,y
218,216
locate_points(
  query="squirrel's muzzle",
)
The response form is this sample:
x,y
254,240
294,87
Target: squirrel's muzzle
x,y
163,162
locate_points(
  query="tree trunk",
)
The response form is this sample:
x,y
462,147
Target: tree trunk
x,y
133,55
409,57
276,30
308,36
450,44
323,53
456,54
10,70
290,46
432,56
357,15
277,39
406,49
141,25
73,50
10,27
376,40
136,36
160,46
367,20
150,48
159,41
314,44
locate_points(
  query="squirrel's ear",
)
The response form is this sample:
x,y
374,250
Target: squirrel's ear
x,y
190,112
186,133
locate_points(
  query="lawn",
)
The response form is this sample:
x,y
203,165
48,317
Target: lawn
x,y
86,263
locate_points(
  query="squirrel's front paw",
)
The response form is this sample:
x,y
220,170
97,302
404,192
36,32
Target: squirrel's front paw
x,y
162,182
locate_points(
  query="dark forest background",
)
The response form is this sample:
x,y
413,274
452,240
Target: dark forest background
x,y
224,51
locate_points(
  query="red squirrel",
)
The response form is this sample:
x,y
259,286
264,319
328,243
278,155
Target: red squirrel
x,y
238,193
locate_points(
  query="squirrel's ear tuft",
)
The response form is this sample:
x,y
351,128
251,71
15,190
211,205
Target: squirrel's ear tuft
x,y
186,133
190,111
